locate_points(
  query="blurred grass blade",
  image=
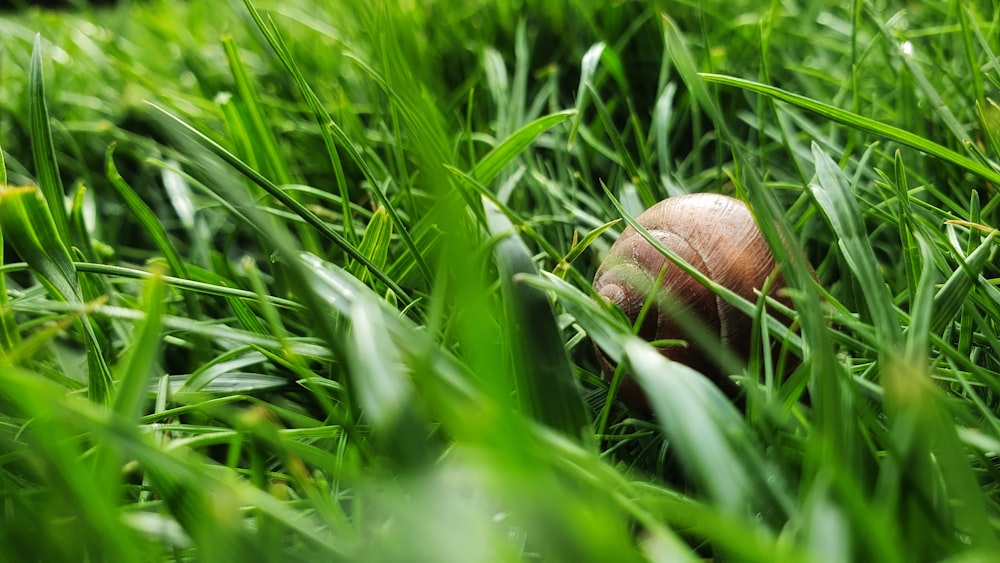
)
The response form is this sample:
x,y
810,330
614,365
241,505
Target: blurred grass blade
x,y
719,453
30,229
859,122
459,403
63,488
42,149
928,479
546,387
136,371
385,392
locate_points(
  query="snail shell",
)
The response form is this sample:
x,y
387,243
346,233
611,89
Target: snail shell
x,y
715,234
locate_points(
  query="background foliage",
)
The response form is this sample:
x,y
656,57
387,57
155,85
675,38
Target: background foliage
x,y
289,280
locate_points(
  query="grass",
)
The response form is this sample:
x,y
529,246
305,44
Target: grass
x,y
287,283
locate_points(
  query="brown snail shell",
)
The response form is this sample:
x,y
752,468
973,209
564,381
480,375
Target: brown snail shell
x,y
715,234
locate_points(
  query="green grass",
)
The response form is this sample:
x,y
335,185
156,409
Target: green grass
x,y
289,281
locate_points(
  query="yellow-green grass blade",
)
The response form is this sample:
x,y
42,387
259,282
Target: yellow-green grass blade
x,y
10,336
30,229
374,244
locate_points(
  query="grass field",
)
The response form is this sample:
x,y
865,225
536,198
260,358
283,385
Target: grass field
x,y
311,281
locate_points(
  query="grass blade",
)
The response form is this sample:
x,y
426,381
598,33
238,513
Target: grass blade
x,y
42,148
30,229
293,204
859,122
546,387
145,216
490,166
834,195
328,125
374,243
136,371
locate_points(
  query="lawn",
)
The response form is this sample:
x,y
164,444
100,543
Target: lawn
x,y
311,281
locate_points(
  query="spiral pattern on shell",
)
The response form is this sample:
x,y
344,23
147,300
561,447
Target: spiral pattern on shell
x,y
715,234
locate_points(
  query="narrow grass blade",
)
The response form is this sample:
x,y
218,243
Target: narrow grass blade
x,y
135,372
217,289
646,195
680,55
840,207
293,204
911,261
582,245
264,144
328,125
42,148
320,115
546,387
145,216
503,154
859,122
588,67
